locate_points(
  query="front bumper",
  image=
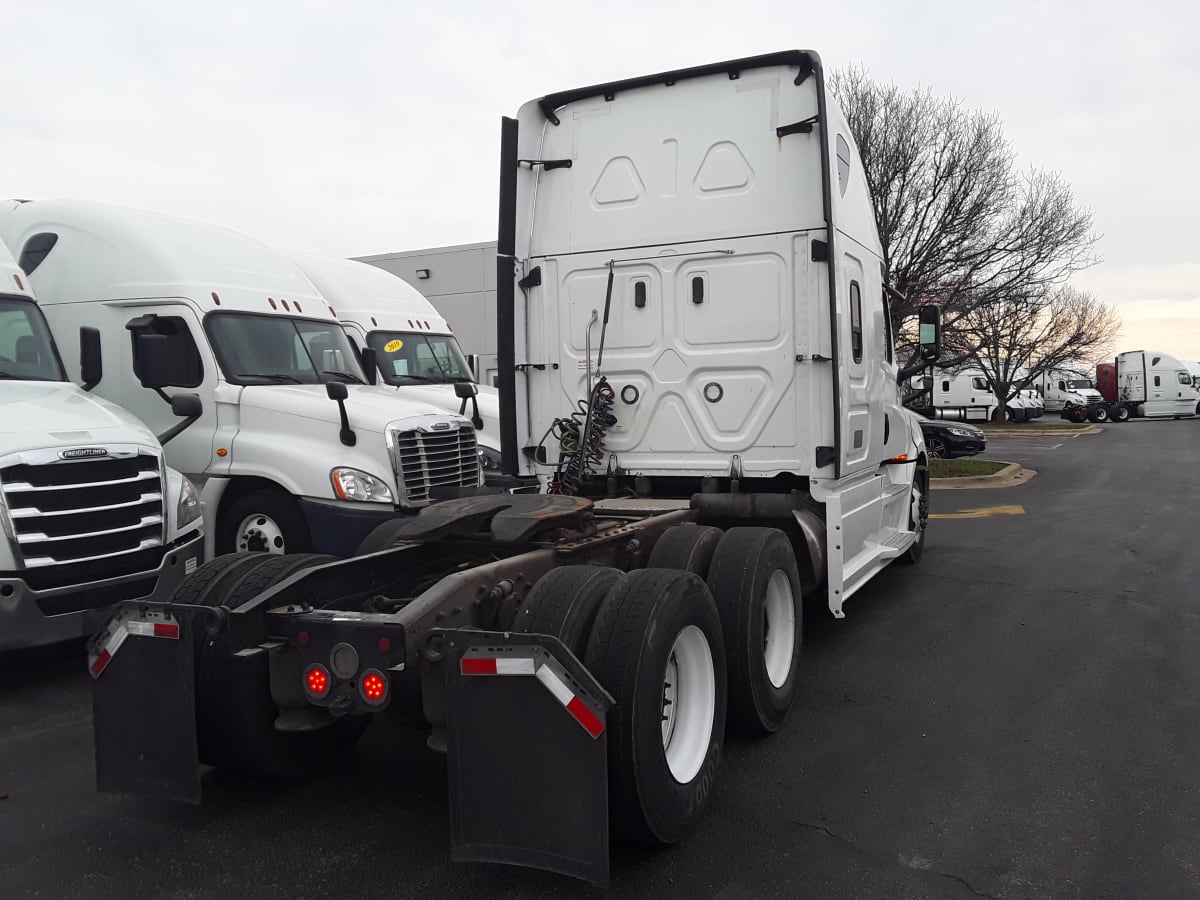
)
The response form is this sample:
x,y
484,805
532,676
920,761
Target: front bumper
x,y
338,527
32,618
960,446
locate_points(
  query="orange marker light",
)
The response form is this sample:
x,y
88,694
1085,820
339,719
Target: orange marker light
x,y
271,300
221,451
903,457
216,299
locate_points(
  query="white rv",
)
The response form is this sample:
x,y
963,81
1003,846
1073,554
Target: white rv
x,y
295,451
415,351
1155,385
89,513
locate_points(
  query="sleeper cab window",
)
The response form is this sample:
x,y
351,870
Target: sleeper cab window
x,y
856,330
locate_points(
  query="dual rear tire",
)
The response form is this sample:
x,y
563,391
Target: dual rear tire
x,y
708,633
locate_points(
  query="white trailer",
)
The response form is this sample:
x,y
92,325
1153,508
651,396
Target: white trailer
x,y
295,451
89,513
415,351
694,354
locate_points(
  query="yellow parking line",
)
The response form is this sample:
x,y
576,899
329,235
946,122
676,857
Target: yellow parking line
x,y
982,513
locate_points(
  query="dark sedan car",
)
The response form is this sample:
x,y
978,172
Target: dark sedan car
x,y
947,440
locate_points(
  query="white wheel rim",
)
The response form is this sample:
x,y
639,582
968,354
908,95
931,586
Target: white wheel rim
x,y
779,641
689,704
260,534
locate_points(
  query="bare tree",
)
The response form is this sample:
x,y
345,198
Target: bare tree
x,y
1019,336
959,224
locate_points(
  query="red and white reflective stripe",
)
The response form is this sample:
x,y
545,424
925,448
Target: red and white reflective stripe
x,y
479,666
109,650
123,629
591,723
474,665
154,629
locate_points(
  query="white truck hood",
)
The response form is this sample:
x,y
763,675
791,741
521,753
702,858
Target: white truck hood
x,y
41,414
369,407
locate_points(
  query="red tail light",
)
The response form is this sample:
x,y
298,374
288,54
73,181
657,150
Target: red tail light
x,y
373,687
316,681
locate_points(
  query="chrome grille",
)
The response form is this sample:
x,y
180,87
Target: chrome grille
x,y
71,511
425,459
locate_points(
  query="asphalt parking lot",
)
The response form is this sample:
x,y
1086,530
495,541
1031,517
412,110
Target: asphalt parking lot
x,y
1016,716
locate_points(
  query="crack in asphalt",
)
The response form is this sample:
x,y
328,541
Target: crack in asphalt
x,y
901,861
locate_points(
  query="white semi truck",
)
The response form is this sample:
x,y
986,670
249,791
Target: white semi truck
x,y
695,358
89,513
1072,395
1150,384
415,352
965,394
295,451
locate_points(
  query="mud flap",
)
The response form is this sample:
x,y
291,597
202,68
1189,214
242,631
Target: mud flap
x,y
144,700
528,754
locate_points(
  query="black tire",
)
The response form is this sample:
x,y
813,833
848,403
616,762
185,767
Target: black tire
x,y
382,537
235,716
1120,414
936,448
629,651
1097,414
282,528
212,577
688,548
1077,414
914,553
565,602
746,562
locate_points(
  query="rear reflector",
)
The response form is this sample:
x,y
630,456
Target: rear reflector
x,y
316,681
373,687
551,680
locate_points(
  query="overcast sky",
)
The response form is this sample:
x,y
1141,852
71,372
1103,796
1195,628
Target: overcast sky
x,y
369,127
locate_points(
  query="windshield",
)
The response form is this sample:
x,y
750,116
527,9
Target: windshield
x,y
1078,384
254,349
411,357
27,351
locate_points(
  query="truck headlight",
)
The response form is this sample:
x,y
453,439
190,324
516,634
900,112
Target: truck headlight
x,y
353,484
489,459
188,509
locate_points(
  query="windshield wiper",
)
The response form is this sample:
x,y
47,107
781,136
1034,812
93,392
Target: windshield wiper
x,y
431,379
349,376
284,379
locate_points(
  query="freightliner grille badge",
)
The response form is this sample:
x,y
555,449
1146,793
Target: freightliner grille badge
x,y
83,453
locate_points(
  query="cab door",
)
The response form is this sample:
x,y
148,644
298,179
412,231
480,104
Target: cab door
x,y
870,399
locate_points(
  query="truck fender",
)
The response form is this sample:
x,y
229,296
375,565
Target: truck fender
x,y
813,531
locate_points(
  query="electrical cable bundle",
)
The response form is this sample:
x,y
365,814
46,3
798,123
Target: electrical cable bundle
x,y
581,438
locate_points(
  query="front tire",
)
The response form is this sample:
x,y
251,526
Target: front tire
x,y
657,648
267,520
936,448
755,583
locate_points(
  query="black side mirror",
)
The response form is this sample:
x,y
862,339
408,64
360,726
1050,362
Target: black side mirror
x,y
91,365
189,408
468,390
153,361
370,363
930,331
336,391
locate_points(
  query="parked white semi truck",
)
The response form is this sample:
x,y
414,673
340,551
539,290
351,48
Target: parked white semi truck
x,y
1148,383
965,394
695,354
89,513
1072,395
414,350
295,451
